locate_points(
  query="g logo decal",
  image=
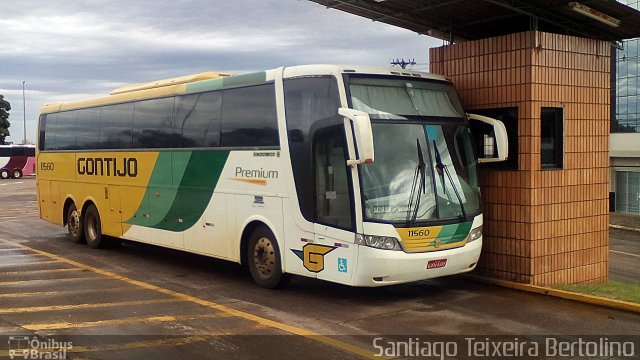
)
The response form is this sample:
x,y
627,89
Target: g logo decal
x,y
312,256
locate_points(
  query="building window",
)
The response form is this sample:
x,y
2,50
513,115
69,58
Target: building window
x,y
628,191
551,136
626,86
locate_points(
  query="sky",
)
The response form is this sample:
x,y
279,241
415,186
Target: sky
x,y
71,50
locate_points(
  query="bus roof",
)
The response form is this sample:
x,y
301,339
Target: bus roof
x,y
216,80
301,70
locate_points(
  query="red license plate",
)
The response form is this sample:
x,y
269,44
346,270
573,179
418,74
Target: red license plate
x,y
434,264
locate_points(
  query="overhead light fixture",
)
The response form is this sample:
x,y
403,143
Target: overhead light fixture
x,y
594,14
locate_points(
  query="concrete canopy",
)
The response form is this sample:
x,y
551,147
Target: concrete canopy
x,y
459,20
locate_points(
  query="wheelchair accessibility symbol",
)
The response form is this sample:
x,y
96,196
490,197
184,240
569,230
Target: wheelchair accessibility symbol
x,y
342,265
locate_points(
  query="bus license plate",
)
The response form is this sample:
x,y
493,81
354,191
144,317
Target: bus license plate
x,y
434,264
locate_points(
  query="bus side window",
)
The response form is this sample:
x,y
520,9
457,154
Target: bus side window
x,y
249,117
41,127
333,203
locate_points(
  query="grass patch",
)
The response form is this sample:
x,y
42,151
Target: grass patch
x,y
612,290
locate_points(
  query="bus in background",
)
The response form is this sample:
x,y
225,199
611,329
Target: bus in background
x,y
276,170
17,161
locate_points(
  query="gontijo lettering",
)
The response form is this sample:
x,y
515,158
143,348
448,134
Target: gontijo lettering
x,y
108,166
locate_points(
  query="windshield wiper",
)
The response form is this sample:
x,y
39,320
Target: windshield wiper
x,y
443,169
417,187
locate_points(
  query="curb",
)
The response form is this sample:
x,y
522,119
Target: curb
x,y
589,299
620,227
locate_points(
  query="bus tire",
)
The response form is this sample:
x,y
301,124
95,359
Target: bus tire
x,y
4,174
263,259
75,225
17,173
93,228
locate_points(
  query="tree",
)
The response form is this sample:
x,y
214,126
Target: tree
x,y
4,119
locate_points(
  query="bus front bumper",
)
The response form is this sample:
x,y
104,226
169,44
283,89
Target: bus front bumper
x,y
378,267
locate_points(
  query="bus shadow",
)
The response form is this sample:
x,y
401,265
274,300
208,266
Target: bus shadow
x,y
236,281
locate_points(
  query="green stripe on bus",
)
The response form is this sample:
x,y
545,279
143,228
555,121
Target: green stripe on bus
x,y
231,81
160,193
447,231
454,232
463,229
196,188
179,162
246,79
178,207
205,85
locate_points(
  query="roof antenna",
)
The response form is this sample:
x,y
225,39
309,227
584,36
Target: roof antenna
x,y
402,63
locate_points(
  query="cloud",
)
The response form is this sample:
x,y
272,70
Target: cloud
x,y
75,49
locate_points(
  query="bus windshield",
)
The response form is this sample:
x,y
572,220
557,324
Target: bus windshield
x,y
416,122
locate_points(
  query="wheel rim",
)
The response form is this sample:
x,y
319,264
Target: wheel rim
x,y
91,228
264,257
16,174
74,224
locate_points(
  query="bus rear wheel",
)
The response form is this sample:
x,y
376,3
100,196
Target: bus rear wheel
x,y
17,173
4,174
75,225
263,258
93,228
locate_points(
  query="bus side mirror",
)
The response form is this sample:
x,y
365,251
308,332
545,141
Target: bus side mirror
x,y
361,125
491,137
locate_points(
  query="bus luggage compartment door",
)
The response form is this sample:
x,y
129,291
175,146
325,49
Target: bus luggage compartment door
x,y
112,223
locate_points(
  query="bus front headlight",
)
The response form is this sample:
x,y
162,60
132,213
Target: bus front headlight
x,y
475,234
378,242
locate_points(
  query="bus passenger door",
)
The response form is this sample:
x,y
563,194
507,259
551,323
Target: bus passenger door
x,y
333,254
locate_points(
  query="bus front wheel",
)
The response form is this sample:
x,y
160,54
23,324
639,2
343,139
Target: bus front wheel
x,y
75,225
263,258
93,228
17,173
4,174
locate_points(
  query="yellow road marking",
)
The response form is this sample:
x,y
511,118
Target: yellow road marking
x,y
624,253
122,346
62,292
27,272
9,331
83,306
260,320
5,265
133,320
20,255
42,280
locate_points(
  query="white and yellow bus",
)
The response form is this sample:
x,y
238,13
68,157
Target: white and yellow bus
x,y
276,170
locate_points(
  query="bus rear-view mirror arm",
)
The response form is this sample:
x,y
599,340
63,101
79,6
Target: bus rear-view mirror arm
x,y
363,135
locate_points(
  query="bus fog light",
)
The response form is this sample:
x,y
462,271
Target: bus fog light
x,y
378,242
475,234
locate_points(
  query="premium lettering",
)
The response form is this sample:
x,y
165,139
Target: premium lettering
x,y
256,173
108,167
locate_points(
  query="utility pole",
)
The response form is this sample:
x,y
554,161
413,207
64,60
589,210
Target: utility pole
x,y
402,63
24,115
